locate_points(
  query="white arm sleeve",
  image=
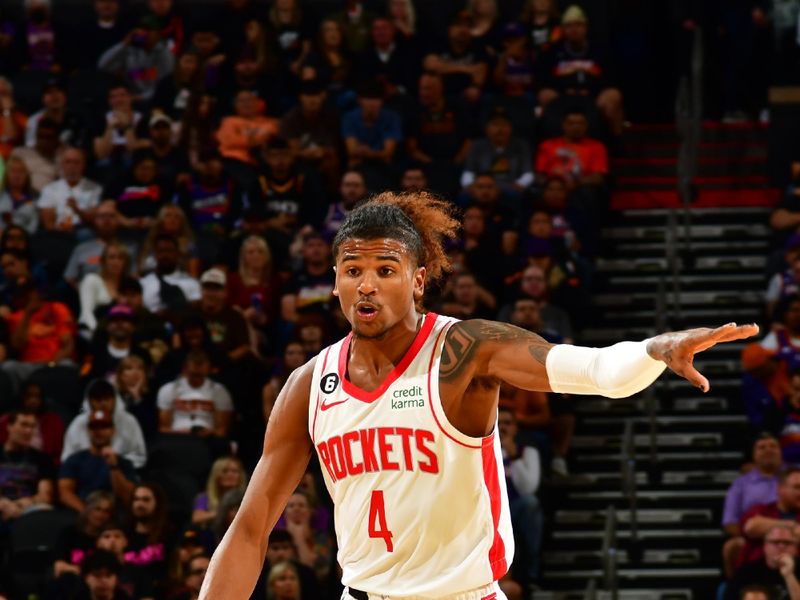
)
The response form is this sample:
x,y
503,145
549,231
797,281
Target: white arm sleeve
x,y
616,372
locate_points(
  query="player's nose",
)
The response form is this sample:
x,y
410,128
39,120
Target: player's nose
x,y
367,286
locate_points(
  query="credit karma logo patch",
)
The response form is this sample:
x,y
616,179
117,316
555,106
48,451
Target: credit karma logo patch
x,y
407,398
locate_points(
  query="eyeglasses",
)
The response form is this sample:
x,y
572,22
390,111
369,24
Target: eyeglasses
x,y
780,542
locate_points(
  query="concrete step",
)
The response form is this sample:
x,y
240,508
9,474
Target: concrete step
x,y
742,231
663,440
683,556
644,517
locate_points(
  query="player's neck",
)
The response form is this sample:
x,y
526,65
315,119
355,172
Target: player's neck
x,y
375,353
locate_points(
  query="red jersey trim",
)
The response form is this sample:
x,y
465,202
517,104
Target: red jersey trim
x,y
365,396
497,553
316,409
430,395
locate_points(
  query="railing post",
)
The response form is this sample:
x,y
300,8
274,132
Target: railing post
x,y
609,553
590,592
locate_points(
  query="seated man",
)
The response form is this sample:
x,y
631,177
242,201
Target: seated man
x,y
757,486
85,257
169,288
463,66
194,404
141,59
42,333
757,521
371,132
100,573
226,325
776,570
40,160
574,157
574,70
98,468
133,579
312,131
500,153
26,474
127,440
68,204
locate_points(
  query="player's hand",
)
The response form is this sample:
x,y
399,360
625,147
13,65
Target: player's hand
x,y
786,564
678,348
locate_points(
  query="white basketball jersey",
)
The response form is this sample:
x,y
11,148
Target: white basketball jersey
x,y
420,508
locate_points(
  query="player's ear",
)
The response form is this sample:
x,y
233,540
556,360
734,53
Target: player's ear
x,y
335,291
420,274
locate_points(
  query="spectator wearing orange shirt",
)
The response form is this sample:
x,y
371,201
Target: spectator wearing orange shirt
x,y
239,134
12,121
578,159
42,333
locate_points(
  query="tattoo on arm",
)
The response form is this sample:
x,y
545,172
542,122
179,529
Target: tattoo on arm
x,y
465,337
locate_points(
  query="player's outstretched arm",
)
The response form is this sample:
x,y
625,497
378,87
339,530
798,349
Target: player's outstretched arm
x,y
237,562
480,348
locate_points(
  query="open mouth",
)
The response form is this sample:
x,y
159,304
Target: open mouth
x,y
367,311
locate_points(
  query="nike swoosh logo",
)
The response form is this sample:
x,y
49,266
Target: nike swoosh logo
x,y
325,407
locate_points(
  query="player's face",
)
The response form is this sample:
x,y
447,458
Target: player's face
x,y
378,283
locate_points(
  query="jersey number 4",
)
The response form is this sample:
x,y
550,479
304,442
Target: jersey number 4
x,y
377,520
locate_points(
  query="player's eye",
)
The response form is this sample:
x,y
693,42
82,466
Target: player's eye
x,y
352,271
386,271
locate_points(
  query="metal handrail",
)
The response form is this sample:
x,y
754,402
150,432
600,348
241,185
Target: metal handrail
x,y
628,476
590,592
609,553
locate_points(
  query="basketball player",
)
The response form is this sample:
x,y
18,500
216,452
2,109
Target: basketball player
x,y
402,415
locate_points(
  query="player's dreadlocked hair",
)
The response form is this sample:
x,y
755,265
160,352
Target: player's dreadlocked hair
x,y
419,220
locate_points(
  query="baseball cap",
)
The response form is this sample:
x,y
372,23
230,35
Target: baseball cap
x,y
574,14
121,311
159,118
100,418
214,277
755,355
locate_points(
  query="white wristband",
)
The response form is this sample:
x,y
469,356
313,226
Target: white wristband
x,y
617,371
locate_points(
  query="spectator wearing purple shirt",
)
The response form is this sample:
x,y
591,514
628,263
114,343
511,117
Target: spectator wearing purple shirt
x,y
757,486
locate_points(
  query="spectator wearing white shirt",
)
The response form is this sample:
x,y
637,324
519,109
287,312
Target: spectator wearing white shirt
x,y
68,203
127,441
194,404
180,289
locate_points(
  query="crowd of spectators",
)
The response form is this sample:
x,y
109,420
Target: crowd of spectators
x,y
172,179
761,517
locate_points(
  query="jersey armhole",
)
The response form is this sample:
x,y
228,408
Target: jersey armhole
x,y
447,428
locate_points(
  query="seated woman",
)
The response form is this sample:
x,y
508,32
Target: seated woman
x,y
18,199
135,393
101,289
226,474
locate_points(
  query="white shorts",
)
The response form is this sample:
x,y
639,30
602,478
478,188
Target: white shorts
x,y
487,592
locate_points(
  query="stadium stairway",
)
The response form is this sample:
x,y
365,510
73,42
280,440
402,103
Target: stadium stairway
x,y
698,438
731,167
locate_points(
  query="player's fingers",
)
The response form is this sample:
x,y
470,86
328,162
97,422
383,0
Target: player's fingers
x,y
694,377
727,333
